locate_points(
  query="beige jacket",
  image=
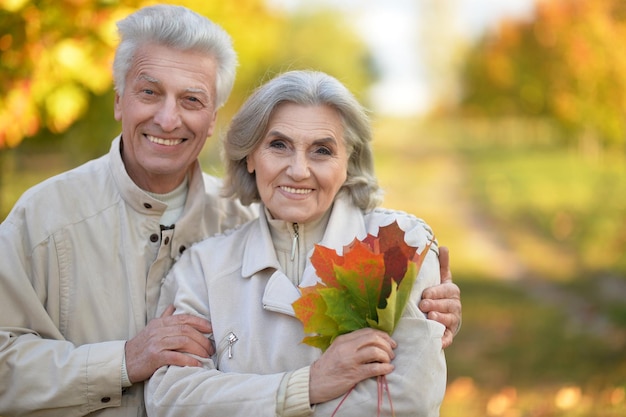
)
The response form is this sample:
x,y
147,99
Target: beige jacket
x,y
83,258
235,281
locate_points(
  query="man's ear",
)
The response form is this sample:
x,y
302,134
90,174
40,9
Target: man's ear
x,y
212,125
117,108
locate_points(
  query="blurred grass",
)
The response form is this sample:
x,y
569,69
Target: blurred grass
x,y
537,234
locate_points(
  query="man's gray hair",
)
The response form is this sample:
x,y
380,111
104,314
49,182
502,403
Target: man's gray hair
x,y
180,28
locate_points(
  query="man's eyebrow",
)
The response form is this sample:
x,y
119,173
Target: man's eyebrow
x,y
149,79
193,90
197,91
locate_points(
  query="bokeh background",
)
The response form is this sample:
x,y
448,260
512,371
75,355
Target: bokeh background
x,y
501,122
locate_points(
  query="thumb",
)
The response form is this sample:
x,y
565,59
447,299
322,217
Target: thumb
x,y
444,265
168,311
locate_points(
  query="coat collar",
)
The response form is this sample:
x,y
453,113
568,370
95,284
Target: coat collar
x,y
346,222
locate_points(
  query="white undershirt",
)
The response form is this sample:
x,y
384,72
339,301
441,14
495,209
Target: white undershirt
x,y
175,201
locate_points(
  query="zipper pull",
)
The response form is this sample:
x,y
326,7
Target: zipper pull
x,y
231,338
294,243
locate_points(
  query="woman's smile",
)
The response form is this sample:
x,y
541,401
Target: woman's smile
x,y
301,162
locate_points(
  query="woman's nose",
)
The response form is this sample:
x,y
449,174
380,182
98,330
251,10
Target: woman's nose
x,y
299,167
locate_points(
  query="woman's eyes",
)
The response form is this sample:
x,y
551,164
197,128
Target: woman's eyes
x,y
323,150
278,144
317,150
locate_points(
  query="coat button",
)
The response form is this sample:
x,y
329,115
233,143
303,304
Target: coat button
x,y
181,249
154,237
105,399
147,205
167,240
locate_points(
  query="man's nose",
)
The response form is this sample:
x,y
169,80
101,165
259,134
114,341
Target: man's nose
x,y
168,115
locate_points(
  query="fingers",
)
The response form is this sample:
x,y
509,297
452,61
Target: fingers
x,y
444,264
188,340
350,359
368,338
198,323
167,340
185,333
447,338
168,311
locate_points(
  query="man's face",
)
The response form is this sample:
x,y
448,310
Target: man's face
x,y
167,112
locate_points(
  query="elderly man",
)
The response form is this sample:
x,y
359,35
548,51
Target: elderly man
x,y
84,253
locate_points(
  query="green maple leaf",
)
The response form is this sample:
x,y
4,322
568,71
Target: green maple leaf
x,y
320,342
389,316
368,286
341,308
360,275
311,308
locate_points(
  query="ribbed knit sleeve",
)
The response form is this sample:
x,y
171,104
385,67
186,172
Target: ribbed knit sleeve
x,y
293,396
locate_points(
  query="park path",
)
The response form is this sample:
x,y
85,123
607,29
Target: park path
x,y
429,178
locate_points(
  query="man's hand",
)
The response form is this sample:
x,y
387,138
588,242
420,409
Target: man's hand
x,y
166,341
442,302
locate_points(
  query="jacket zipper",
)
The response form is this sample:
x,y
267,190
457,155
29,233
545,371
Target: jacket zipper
x,y
294,243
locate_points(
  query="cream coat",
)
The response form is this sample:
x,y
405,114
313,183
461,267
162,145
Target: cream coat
x,y
83,258
234,280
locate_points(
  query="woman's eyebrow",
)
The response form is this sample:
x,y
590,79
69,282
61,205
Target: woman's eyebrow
x,y
279,135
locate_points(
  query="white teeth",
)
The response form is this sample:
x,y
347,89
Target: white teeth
x,y
166,142
296,190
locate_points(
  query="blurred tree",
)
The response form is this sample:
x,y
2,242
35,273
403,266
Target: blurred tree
x,y
444,49
321,40
55,56
564,65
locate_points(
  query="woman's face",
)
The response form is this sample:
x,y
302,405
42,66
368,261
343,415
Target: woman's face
x,y
301,162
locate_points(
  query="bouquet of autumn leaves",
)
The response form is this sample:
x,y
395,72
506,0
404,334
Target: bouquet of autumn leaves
x,y
368,286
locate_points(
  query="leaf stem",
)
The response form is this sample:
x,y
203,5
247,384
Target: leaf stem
x,y
342,400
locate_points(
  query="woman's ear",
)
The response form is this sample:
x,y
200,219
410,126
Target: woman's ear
x,y
249,165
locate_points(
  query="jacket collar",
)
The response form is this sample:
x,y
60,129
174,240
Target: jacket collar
x,y
144,203
345,223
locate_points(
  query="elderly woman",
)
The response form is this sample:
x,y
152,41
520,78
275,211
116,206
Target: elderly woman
x,y
300,145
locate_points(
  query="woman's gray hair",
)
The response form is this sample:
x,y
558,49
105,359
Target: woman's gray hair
x,y
307,88
180,28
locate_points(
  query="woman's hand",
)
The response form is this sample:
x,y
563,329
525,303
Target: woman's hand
x,y
350,359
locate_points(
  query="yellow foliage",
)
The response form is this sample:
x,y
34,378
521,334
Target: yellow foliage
x,y
12,5
75,61
64,106
64,51
18,117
